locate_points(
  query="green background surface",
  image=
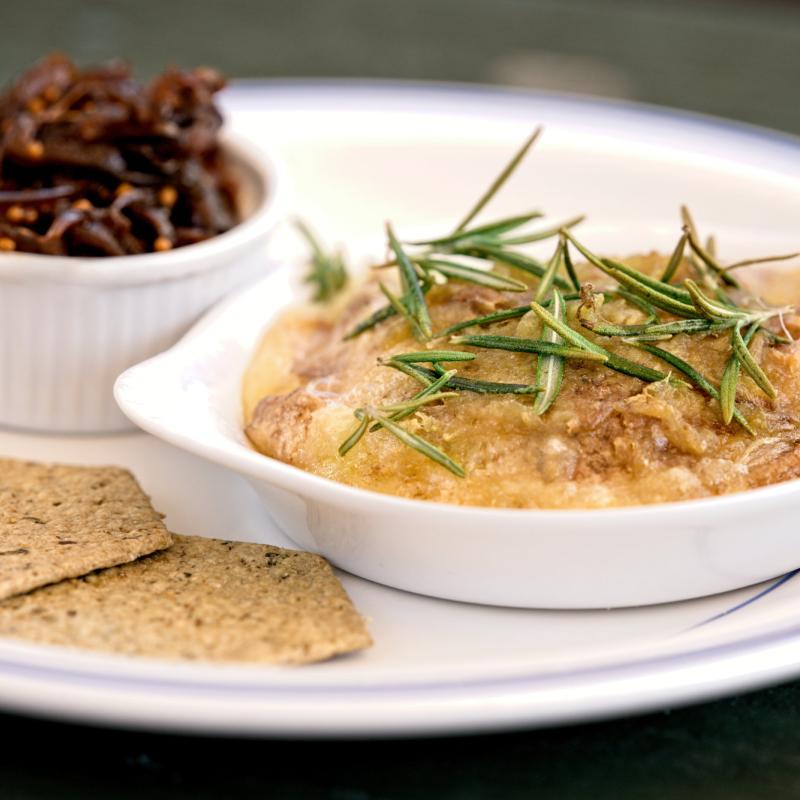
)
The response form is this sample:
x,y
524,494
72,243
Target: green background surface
x,y
745,747
735,59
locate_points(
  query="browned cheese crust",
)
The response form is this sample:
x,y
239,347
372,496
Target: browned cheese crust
x,y
608,440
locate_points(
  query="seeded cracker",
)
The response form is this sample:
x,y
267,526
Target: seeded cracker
x,y
200,599
60,522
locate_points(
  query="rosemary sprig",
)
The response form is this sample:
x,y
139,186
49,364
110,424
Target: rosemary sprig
x,y
662,295
484,242
386,417
520,311
429,391
613,361
550,368
697,378
327,271
701,306
588,315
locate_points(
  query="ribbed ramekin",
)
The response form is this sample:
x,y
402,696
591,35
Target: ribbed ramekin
x,y
69,326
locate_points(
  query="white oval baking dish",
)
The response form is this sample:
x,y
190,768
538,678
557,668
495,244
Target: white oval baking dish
x,y
191,396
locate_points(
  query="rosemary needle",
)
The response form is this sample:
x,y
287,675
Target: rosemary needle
x,y
690,229
474,385
765,260
400,307
569,266
481,277
750,364
675,259
513,259
549,276
487,319
412,290
421,445
490,229
382,314
499,180
428,391
545,233
433,356
712,309
355,437
520,345
550,368
730,379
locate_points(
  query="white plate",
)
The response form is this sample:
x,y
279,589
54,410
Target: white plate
x,y
437,666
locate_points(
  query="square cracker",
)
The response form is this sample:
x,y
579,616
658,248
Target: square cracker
x,y
200,599
60,522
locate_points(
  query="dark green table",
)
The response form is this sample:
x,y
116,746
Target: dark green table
x,y
736,59
745,747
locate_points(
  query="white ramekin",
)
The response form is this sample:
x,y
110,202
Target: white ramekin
x,y
69,326
598,558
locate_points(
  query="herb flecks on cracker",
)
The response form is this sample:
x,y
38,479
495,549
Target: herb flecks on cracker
x,y
201,599
60,522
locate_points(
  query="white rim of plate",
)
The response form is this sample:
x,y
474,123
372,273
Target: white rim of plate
x,y
751,661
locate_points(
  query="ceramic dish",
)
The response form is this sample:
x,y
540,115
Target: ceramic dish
x,y
190,396
69,325
436,666
742,183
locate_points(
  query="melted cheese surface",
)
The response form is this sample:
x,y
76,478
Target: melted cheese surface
x,y
608,440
